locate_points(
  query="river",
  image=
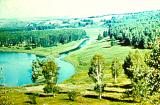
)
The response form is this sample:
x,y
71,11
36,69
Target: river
x,y
16,68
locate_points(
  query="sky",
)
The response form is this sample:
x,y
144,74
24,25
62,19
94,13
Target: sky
x,y
72,8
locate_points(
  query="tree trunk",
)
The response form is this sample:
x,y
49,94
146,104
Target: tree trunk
x,y
100,92
115,78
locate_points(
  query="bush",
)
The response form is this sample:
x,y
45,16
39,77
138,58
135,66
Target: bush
x,y
99,37
73,95
51,88
113,41
33,99
27,47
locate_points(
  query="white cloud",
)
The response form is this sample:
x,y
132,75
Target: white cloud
x,y
32,8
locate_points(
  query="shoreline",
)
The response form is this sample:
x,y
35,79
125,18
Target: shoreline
x,y
42,54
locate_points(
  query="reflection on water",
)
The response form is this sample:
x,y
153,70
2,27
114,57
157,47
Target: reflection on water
x,y
17,67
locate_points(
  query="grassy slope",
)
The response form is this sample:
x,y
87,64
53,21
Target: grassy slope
x,y
113,94
55,50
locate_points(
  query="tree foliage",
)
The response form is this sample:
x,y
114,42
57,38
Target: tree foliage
x,y
152,59
144,79
137,29
40,38
96,71
105,33
46,71
100,37
116,68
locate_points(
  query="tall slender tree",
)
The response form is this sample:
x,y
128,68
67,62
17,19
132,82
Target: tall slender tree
x,y
116,68
96,71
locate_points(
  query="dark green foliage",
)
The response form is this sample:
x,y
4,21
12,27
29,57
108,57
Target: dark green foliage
x,y
133,59
39,38
27,47
126,65
137,29
113,41
72,95
96,71
105,33
99,37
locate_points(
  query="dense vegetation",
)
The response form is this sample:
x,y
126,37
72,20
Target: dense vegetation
x,y
136,29
138,84
40,38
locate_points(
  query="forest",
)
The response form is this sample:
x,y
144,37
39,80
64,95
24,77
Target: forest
x,y
118,65
40,38
140,30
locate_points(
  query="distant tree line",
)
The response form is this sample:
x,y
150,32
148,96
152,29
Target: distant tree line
x,y
40,38
140,30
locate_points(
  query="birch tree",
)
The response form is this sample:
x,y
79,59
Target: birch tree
x,y
96,72
116,69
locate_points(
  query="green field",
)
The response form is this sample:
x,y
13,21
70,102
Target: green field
x,y
113,93
43,51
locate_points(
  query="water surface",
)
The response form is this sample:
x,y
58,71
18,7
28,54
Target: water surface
x,y
17,67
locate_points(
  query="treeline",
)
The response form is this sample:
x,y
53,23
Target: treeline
x,y
40,38
140,30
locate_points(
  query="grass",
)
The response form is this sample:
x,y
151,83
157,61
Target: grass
x,y
94,32
43,51
81,58
113,93
18,97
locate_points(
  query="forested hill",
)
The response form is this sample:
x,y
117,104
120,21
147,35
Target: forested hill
x,y
141,29
137,29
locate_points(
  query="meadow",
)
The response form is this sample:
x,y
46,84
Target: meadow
x,y
114,93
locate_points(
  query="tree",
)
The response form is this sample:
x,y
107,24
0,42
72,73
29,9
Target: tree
x,y
105,33
139,73
96,71
116,68
37,75
152,59
50,71
46,71
113,41
140,87
99,37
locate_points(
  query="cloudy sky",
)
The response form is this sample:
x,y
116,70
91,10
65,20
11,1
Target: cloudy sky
x,y
74,8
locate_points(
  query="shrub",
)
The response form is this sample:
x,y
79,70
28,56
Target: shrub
x,y
100,37
73,95
51,88
33,99
27,47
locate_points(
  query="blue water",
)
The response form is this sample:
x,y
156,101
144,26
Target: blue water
x,y
66,69
17,67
